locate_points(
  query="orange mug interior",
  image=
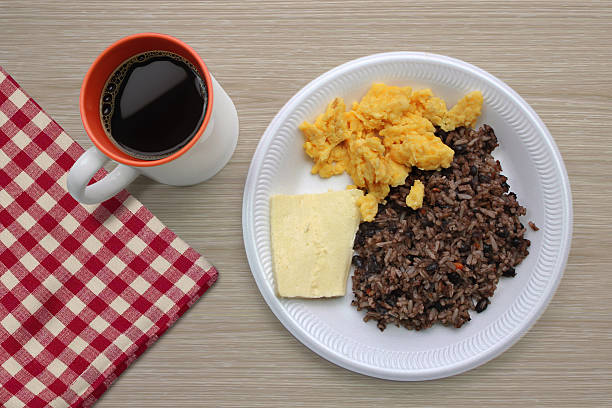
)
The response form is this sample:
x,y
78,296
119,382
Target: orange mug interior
x,y
103,67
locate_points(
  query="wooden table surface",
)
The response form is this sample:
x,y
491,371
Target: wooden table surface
x,y
230,350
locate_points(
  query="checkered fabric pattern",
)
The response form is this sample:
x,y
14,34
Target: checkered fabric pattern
x,y
84,289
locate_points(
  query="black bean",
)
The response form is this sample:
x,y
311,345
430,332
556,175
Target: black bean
x,y
473,170
390,301
357,261
373,266
515,242
510,273
487,248
473,280
428,223
459,149
432,267
396,293
439,307
482,305
505,186
441,134
454,278
483,178
502,232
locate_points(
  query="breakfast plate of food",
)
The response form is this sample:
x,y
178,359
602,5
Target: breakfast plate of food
x,y
407,216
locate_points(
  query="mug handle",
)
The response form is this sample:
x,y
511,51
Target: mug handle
x,y
84,169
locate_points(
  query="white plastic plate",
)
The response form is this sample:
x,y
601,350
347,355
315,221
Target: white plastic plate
x,y
530,159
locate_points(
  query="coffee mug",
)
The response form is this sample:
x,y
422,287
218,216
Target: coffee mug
x,y
206,153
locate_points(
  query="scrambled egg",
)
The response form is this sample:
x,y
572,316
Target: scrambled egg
x,y
386,133
414,199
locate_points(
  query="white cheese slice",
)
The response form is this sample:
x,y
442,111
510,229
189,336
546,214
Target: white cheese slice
x,y
312,242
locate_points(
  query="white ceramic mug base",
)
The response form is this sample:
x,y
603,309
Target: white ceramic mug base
x,y
205,159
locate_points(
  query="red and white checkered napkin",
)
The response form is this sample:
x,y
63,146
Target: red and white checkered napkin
x,y
84,290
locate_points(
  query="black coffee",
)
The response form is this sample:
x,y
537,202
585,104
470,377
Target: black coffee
x,y
153,104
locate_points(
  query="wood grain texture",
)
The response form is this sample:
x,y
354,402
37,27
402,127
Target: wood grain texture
x,y
230,350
